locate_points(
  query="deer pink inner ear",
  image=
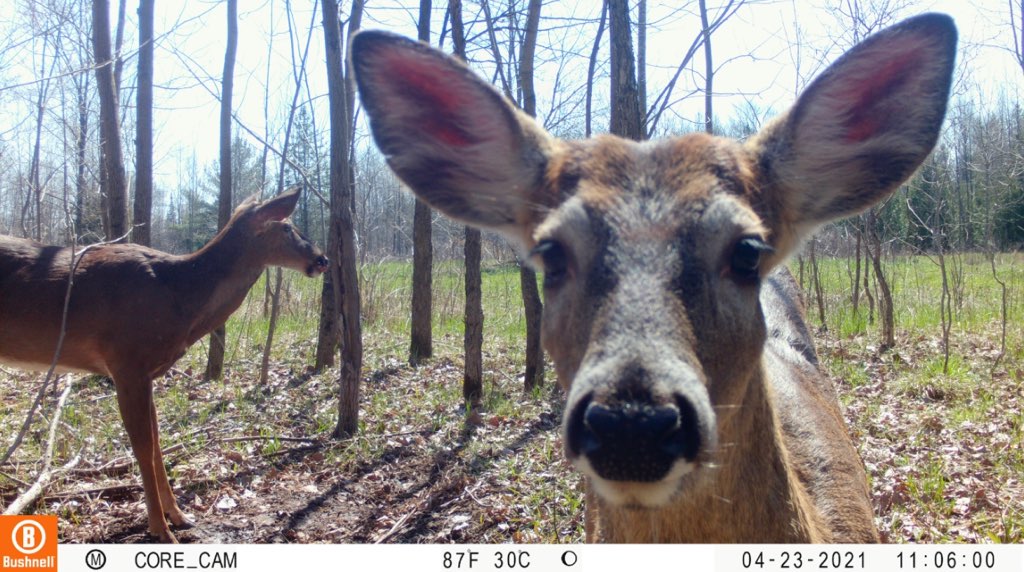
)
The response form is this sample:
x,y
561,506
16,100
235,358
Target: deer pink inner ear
x,y
867,115
433,89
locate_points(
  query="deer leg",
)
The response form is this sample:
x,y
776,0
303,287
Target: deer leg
x,y
135,400
167,500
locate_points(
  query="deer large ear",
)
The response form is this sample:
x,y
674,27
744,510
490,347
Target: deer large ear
x,y
279,207
450,136
859,130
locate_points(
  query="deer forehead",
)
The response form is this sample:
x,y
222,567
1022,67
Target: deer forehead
x,y
694,191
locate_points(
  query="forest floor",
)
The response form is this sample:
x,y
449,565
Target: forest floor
x,y
944,451
256,464
942,443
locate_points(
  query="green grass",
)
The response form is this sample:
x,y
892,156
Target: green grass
x,y
944,437
386,292
916,284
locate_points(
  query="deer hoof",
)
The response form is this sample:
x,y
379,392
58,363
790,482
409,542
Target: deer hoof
x,y
179,518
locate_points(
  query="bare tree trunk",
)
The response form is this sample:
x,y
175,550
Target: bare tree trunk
x,y
299,71
109,130
534,311
885,309
532,305
856,274
473,338
641,62
104,180
36,191
330,328
625,109
1002,285
496,51
268,291
709,70
330,334
1017,28
83,131
104,188
867,285
275,307
526,57
421,345
354,22
945,308
215,361
344,276
800,271
34,178
819,295
143,208
118,42
936,227
591,69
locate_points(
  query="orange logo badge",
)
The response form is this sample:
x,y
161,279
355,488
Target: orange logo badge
x,y
28,543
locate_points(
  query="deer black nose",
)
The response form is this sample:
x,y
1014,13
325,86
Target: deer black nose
x,y
634,440
318,266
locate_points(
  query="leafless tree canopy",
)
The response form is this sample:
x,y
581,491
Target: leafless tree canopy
x,y
72,87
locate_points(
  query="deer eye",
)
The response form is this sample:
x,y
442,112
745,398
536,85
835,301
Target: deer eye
x,y
286,227
745,263
554,260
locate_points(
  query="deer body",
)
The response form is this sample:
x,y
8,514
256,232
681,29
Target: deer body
x,y
157,329
134,311
696,408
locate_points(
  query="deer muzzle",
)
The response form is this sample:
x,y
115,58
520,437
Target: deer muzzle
x,y
637,433
318,267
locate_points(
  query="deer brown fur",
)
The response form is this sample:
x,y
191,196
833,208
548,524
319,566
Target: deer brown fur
x,y
133,311
696,407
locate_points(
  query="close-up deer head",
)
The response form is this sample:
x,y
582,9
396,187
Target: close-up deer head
x,y
695,408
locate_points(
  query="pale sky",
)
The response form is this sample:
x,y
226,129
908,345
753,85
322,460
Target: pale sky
x,y
186,115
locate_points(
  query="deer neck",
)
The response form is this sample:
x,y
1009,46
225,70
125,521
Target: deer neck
x,y
754,482
220,276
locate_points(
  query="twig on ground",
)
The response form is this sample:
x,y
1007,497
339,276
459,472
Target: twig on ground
x,y
45,474
120,464
88,493
100,397
394,529
471,490
404,433
15,479
283,452
268,438
124,464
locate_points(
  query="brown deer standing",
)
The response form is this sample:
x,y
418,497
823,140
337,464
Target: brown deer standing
x,y
696,407
134,311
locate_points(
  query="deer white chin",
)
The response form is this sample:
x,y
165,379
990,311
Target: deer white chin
x,y
637,494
